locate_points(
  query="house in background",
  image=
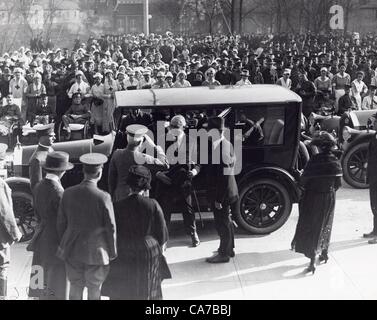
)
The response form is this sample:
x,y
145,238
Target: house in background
x,y
363,18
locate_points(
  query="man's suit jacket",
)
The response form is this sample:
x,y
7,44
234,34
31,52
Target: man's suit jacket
x,y
9,231
120,164
86,225
47,196
186,153
35,165
222,188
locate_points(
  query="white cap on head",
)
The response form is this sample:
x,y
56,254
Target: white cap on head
x,y
178,122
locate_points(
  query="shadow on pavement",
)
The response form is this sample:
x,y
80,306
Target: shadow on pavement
x,y
198,272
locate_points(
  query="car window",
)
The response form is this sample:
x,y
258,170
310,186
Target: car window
x,y
261,126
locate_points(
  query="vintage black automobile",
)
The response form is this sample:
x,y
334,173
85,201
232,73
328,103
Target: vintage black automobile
x,y
268,179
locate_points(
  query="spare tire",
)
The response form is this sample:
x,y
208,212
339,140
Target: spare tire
x,y
354,164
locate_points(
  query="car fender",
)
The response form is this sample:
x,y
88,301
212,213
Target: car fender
x,y
279,174
363,137
19,183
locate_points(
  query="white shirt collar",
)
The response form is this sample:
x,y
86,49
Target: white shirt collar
x,y
50,176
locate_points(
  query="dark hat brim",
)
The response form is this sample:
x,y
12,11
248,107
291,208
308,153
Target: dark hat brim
x,y
68,166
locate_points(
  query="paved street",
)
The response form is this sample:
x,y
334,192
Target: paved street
x,y
264,267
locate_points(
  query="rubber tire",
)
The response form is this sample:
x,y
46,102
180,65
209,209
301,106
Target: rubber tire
x,y
21,191
29,199
346,158
279,223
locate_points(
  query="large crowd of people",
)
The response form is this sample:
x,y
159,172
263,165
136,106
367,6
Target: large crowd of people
x,y
332,74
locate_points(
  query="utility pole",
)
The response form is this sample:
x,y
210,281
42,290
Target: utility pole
x,y
146,17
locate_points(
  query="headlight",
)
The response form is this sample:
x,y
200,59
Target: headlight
x,y
346,134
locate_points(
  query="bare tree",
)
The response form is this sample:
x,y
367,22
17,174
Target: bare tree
x,y
172,10
52,9
207,10
11,8
348,6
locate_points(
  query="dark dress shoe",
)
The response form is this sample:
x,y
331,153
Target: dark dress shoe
x,y
195,240
218,259
232,254
373,241
370,235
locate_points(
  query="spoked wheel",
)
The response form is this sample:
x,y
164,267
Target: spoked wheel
x,y
355,164
264,206
24,214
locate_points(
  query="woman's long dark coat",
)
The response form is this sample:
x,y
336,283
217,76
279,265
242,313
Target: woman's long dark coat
x,y
138,271
320,181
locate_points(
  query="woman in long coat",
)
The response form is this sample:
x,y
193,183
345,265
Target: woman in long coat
x,y
138,271
320,181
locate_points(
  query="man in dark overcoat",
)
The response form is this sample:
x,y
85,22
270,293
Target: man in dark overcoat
x,y
176,185
36,174
47,196
9,233
86,226
223,190
372,180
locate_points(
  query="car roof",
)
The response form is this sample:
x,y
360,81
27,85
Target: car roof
x,y
256,94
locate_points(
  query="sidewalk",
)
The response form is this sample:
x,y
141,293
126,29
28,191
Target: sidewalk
x,y
264,267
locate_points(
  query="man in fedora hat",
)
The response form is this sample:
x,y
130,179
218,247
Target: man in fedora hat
x,y
46,137
47,196
86,227
223,190
9,233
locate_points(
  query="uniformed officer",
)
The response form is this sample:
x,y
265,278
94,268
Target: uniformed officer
x,y
124,159
86,226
